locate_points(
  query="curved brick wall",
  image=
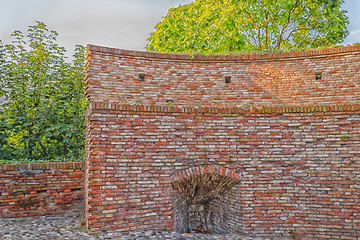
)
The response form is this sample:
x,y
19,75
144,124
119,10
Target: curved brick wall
x,y
296,149
256,80
299,167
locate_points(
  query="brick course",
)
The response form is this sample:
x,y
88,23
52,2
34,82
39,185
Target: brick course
x,y
298,163
31,189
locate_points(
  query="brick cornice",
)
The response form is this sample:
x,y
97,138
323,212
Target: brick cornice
x,y
221,58
350,108
42,166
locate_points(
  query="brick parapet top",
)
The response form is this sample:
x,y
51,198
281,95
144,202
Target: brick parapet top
x,y
350,108
246,57
42,166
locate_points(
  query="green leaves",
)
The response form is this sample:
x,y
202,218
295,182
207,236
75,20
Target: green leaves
x,y
208,27
44,96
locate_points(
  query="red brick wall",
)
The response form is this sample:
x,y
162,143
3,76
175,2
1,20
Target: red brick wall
x,y
256,80
299,167
293,139
40,188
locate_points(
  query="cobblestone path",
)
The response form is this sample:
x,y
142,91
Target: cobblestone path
x,y
70,225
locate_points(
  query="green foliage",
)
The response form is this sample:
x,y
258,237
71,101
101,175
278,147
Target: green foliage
x,y
44,101
14,161
5,150
228,26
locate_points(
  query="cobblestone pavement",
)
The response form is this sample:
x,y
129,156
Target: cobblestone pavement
x,y
70,225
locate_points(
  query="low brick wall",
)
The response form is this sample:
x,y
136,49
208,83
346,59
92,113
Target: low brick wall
x,y
31,189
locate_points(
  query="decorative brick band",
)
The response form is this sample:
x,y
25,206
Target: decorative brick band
x,y
42,166
227,110
199,170
248,57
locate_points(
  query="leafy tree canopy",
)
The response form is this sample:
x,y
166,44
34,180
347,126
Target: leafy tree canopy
x,y
42,100
221,26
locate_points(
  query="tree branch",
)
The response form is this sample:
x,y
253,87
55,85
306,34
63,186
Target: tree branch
x,y
266,28
287,24
256,26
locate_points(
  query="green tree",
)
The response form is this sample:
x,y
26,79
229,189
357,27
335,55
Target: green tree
x,y
43,97
220,26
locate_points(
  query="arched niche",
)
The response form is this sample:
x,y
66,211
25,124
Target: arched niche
x,y
202,199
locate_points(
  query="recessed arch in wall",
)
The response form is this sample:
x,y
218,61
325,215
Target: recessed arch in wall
x,y
197,194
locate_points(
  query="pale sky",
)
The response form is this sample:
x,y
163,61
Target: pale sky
x,y
122,24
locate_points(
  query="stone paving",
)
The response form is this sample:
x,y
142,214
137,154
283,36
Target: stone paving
x,y
70,225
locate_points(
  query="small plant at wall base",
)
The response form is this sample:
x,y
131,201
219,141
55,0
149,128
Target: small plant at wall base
x,y
43,107
247,106
345,137
293,233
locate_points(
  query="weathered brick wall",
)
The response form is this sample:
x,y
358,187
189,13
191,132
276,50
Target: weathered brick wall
x,y
293,139
299,166
40,188
180,219
256,80
227,212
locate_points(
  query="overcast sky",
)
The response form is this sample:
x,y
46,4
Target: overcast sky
x,y
122,24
